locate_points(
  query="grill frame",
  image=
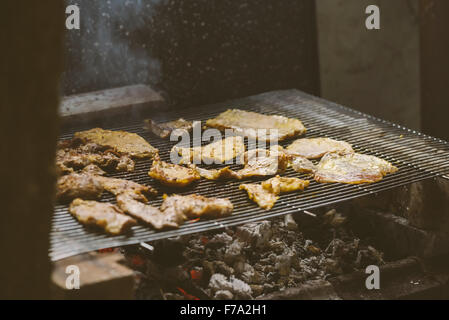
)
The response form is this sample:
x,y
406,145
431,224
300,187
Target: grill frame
x,y
418,157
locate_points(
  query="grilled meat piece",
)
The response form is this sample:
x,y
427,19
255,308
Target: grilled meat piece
x,y
247,123
266,194
164,130
70,159
104,215
315,148
352,168
216,174
119,186
120,141
196,206
278,185
125,164
76,185
77,159
216,152
62,169
131,203
264,198
93,169
263,162
173,175
301,164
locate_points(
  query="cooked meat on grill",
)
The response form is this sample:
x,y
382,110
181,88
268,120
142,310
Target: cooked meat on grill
x,y
216,152
278,185
247,123
77,159
62,169
173,175
352,168
93,169
196,206
70,143
119,186
70,159
104,215
164,130
315,148
301,164
263,162
264,198
120,141
131,203
77,185
125,164
216,174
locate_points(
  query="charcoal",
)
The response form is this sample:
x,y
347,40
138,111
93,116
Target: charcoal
x,y
220,282
234,252
222,267
256,234
220,240
257,259
257,289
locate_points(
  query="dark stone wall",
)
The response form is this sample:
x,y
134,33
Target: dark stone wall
x,y
195,51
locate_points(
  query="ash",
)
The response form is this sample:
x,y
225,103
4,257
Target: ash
x,y
251,260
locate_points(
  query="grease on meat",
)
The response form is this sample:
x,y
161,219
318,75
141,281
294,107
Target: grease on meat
x,y
217,152
352,168
216,174
263,162
278,184
264,198
120,141
196,206
248,124
118,186
173,175
133,204
315,148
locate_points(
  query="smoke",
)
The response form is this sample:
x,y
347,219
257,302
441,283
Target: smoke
x,y
104,53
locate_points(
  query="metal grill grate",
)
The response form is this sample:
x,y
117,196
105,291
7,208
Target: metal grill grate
x,y
417,156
